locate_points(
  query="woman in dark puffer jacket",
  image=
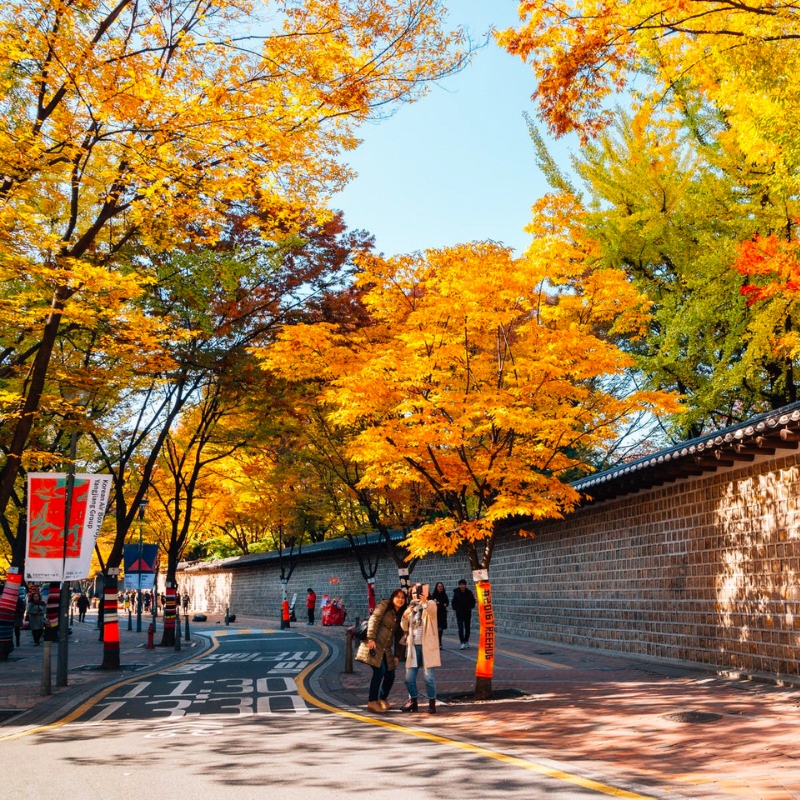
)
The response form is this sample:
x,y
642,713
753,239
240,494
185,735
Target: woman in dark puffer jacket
x,y
382,649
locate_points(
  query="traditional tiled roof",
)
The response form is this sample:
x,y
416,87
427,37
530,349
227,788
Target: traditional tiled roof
x,y
329,546
760,436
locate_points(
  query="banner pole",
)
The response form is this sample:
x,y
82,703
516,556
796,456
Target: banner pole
x,y
142,506
62,664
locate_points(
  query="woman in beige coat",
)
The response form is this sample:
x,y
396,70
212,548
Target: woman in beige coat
x,y
420,624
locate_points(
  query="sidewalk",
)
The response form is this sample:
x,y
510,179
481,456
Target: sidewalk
x,y
683,732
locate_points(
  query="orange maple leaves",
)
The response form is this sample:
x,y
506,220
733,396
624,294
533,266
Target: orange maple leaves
x,y
773,259
478,375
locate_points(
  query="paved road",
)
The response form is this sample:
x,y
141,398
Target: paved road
x,y
248,719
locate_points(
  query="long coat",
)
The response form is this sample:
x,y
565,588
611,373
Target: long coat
x,y
36,612
430,637
19,613
442,603
383,628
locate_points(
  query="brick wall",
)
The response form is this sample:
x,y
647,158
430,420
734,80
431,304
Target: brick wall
x,y
704,570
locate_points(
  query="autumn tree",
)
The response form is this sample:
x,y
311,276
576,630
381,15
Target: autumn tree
x,y
671,206
144,122
209,433
581,53
147,121
482,376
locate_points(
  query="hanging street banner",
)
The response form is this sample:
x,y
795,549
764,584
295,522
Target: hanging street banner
x,y
484,667
140,573
48,557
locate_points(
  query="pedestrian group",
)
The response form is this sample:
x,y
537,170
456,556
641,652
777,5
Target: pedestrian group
x,y
409,628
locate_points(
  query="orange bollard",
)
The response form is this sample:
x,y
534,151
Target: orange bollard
x,y
285,615
151,630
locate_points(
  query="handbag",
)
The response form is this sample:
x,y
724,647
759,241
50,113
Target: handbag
x,y
360,630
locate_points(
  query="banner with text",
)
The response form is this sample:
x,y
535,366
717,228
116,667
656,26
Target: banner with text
x,y
49,555
140,567
484,668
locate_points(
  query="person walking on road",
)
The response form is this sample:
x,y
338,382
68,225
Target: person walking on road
x,y
19,618
185,601
463,603
311,604
382,649
36,613
440,597
83,606
420,624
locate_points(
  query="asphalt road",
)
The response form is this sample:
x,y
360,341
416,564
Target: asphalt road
x,y
243,721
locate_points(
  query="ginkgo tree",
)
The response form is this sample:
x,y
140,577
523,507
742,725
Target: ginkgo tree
x,y
676,212
480,374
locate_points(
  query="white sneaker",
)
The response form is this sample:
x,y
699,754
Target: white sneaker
x,y
462,646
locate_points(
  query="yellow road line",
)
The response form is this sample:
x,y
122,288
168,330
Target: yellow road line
x,y
87,704
237,632
532,766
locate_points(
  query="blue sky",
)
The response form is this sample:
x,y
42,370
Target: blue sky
x,y
458,165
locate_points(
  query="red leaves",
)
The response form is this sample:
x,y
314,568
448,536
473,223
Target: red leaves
x,y
775,261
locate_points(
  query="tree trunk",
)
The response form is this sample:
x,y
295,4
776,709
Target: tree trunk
x,y
110,624
484,668
168,634
8,609
483,688
35,385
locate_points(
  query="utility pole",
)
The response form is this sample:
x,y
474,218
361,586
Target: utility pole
x,y
142,506
62,666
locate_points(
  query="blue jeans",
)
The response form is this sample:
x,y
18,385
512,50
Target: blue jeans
x,y
428,674
382,680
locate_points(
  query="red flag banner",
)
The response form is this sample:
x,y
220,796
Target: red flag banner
x,y
48,556
485,663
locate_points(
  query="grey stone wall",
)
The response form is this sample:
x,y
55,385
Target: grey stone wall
x,y
704,570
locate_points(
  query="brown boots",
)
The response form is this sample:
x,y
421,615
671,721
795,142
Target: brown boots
x,y
431,706
375,707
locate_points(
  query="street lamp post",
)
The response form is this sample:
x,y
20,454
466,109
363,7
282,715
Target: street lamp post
x,y
62,664
142,506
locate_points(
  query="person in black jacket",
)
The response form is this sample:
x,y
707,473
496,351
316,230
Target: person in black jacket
x,y
463,603
442,602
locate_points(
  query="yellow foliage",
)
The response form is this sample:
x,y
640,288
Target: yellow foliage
x,y
479,374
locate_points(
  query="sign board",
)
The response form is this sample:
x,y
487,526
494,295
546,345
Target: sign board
x,y
334,580
58,549
140,572
484,666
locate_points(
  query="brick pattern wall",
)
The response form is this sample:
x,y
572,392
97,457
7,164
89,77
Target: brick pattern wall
x,y
704,570
258,591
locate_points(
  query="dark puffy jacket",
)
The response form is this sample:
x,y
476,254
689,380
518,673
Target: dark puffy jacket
x,y
384,629
463,602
